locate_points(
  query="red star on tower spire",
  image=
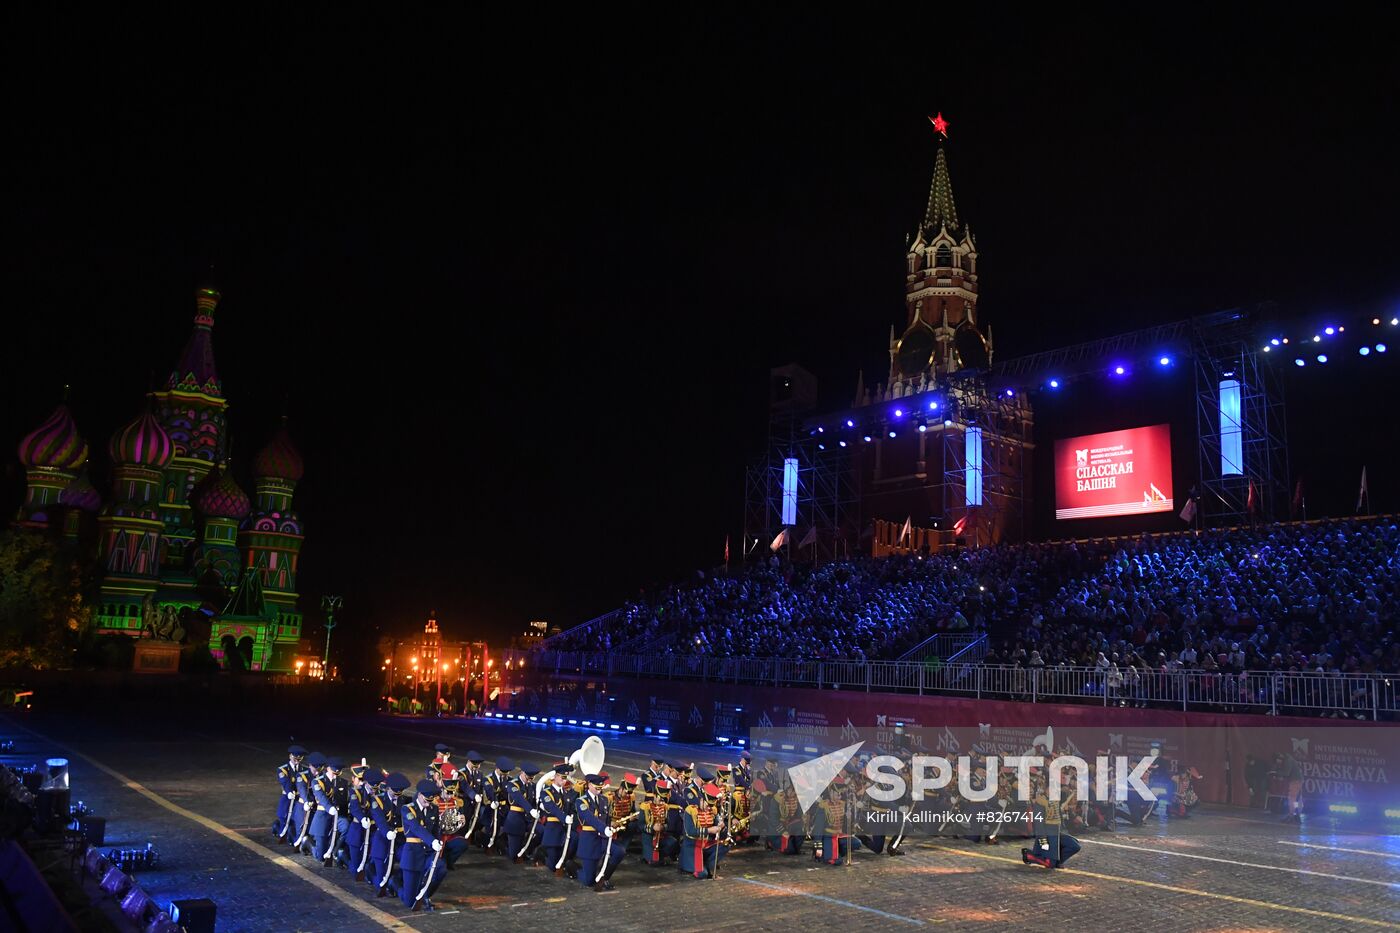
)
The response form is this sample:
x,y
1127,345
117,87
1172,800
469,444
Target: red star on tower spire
x,y
940,125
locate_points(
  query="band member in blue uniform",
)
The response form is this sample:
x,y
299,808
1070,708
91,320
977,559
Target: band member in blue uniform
x,y
452,821
287,780
420,846
520,801
557,810
656,770
357,810
383,854
743,773
494,789
329,821
595,842
1053,847
300,836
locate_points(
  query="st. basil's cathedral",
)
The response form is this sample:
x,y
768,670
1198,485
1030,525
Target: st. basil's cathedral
x,y
179,543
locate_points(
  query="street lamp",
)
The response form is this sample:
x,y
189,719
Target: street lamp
x,y
330,605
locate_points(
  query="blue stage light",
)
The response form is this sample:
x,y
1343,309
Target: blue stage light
x,y
923,428
663,731
867,438
1054,383
821,430
1119,370
1365,351
1317,338
631,728
892,434
843,443
1341,807
1329,331
899,412
821,447
947,422
933,406
1274,341
1010,393
1322,357
1394,321
1299,362
1267,348
722,739
850,423
573,722
1164,361
1380,348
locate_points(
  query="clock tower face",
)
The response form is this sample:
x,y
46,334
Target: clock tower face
x,y
915,351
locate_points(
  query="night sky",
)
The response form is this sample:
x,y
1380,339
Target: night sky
x,y
520,283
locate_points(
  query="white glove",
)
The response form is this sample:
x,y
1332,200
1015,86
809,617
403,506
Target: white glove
x,y
569,820
291,795
437,845
306,806
390,834
494,805
365,821
534,814
608,831
334,811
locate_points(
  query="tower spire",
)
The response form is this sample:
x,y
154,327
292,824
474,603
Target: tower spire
x,y
941,212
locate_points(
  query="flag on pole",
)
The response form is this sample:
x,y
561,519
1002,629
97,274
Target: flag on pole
x,y
1363,495
810,538
1251,502
779,541
960,526
1300,506
726,549
908,527
1188,511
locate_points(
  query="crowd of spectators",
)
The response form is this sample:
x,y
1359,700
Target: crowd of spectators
x,y
1318,596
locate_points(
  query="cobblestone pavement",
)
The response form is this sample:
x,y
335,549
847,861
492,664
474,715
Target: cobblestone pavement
x,y
205,801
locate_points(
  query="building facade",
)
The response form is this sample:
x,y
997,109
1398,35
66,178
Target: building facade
x,y
180,546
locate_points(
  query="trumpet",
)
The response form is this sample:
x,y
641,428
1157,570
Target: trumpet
x,y
619,822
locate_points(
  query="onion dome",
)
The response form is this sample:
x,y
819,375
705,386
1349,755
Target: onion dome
x,y
54,444
81,494
280,459
195,370
143,442
220,496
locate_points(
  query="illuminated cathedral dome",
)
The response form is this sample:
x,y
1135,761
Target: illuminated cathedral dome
x,y
220,496
280,459
81,494
55,444
143,442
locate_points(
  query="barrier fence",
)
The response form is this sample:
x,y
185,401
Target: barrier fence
x,y
1358,695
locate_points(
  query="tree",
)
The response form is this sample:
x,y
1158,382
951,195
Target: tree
x,y
43,604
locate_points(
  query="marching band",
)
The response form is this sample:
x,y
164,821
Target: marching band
x,y
401,838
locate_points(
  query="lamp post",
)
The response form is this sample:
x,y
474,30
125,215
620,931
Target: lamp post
x,y
330,605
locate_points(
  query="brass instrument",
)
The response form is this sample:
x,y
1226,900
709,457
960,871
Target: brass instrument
x,y
453,820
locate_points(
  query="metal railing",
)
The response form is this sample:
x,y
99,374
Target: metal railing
x,y
945,645
1362,695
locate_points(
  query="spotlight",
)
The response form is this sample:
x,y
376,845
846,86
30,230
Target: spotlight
x,y
867,438
1010,393
1267,348
843,443
947,422
892,434
1365,351
821,430
850,423
1299,362
1054,383
1394,321
1118,370
1274,341
1329,331
1317,338
1285,339
1342,807
1380,348
923,428
821,447
933,406
1341,330
899,412
1322,357
1164,361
